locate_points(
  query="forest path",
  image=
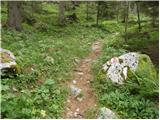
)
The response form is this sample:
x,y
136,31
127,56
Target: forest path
x,y
82,76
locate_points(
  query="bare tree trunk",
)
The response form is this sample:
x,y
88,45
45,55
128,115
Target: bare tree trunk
x,y
126,21
117,9
14,16
74,15
87,9
61,12
154,17
98,10
138,15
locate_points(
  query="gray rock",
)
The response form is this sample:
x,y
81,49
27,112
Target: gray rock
x,y
105,113
75,91
117,68
8,65
11,60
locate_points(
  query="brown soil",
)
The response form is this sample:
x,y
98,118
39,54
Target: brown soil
x,y
83,77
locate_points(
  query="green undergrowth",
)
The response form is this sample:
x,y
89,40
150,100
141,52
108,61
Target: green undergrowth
x,y
46,55
138,97
41,57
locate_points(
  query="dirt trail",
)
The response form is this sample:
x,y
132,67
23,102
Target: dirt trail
x,y
83,76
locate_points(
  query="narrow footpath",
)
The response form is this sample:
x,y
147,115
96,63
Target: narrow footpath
x,y
82,76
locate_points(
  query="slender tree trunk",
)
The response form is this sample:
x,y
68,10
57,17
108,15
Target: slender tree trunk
x,y
61,12
153,21
138,15
126,21
14,16
87,10
98,10
154,17
117,9
74,16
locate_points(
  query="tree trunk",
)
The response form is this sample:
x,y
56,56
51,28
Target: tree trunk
x,y
117,13
61,12
126,21
138,15
98,10
74,16
87,10
14,16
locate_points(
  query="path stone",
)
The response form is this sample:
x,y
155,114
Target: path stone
x,y
76,61
75,91
79,99
74,81
80,73
77,110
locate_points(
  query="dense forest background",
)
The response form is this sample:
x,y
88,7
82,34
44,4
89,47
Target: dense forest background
x,y
48,36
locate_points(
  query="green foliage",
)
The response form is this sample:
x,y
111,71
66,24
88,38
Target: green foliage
x,y
29,103
145,81
138,97
45,53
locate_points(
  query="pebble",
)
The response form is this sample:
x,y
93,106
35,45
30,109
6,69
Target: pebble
x,y
75,114
68,109
77,61
77,110
68,101
75,90
79,99
74,81
80,73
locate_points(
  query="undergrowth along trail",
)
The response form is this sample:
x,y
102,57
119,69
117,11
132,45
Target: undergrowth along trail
x,y
83,76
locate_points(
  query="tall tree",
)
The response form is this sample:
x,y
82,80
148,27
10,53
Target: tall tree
x,y
126,20
74,16
14,15
117,11
87,10
138,15
61,12
98,12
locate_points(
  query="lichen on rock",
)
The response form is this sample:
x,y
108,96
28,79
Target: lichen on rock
x,y
8,63
117,68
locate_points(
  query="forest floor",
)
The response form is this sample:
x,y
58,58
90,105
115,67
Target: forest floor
x,y
83,76
52,57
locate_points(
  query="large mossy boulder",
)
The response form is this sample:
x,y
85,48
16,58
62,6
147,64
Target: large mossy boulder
x,y
129,65
8,65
